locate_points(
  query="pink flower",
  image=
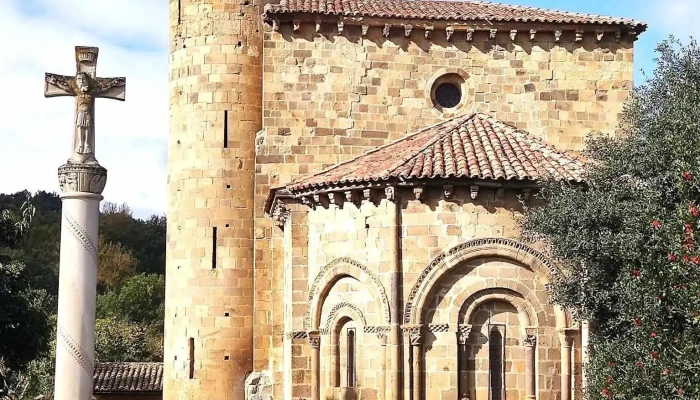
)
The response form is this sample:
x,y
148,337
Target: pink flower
x,y
640,364
636,273
637,322
654,355
672,257
681,391
653,334
656,223
687,176
666,371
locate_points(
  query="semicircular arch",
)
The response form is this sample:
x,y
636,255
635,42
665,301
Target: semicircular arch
x,y
326,279
509,249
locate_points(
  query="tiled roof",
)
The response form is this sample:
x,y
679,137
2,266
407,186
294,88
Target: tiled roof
x,y
442,10
472,146
128,377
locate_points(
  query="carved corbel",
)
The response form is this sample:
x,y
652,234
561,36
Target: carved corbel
x,y
473,191
492,34
428,31
449,31
449,191
579,35
407,30
526,194
318,26
332,198
365,29
470,34
533,34
390,193
317,198
513,35
599,36
557,35
308,202
618,36
350,196
632,36
418,192
276,24
341,26
367,194
387,30
296,23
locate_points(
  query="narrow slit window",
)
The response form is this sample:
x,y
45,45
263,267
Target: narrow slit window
x,y
213,248
191,358
496,365
179,12
225,129
352,367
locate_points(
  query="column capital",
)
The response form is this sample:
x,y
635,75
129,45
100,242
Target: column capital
x,y
567,336
82,177
530,340
463,332
415,334
314,339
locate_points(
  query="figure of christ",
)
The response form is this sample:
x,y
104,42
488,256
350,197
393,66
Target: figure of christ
x,y
85,89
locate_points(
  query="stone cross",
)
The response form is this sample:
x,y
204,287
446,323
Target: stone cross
x,y
85,86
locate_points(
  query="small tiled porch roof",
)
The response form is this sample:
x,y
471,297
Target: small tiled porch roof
x,y
443,10
128,377
472,147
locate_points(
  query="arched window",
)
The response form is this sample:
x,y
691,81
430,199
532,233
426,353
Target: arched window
x,y
351,362
496,364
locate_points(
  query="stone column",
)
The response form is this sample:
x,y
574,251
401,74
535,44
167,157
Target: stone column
x,y
315,342
384,367
393,375
566,338
463,332
81,187
334,370
415,336
585,330
530,343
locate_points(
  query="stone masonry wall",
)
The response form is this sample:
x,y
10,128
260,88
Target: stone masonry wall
x,y
329,97
215,105
428,227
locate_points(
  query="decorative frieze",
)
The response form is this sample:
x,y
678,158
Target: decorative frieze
x,y
79,177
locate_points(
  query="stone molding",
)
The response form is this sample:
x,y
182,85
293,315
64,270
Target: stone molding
x,y
85,178
296,335
477,248
337,311
453,31
331,273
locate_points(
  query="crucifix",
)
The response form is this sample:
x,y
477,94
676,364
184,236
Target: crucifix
x,y
85,86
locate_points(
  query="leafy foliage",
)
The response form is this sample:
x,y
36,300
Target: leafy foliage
x,y
130,303
627,240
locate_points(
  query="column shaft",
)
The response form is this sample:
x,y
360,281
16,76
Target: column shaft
x,y
315,342
416,371
75,337
530,382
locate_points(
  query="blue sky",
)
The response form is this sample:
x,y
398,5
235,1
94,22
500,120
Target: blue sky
x,y
39,36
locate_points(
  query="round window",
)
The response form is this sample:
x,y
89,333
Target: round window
x,y
447,92
448,95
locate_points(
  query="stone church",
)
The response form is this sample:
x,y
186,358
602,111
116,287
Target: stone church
x,y
345,183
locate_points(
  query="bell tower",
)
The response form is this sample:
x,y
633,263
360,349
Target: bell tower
x,y
215,112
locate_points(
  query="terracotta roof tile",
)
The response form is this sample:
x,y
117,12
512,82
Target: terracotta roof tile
x,y
128,377
442,10
473,146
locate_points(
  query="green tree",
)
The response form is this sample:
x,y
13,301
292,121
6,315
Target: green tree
x,y
626,241
141,299
24,322
116,263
